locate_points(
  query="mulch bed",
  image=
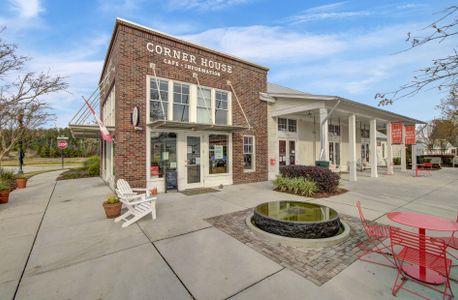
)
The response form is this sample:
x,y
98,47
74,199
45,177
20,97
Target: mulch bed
x,y
75,174
319,195
318,265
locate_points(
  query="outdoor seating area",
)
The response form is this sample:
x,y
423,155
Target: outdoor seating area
x,y
419,257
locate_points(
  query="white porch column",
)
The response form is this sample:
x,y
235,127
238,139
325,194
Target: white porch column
x,y
352,146
414,158
403,150
373,147
389,150
324,141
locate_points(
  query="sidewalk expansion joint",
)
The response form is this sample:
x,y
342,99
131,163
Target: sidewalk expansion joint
x,y
34,241
255,283
181,234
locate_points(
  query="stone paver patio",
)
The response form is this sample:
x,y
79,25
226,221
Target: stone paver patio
x,y
56,243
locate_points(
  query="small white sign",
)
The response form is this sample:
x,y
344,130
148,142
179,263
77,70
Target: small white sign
x,y
218,151
165,155
189,149
197,160
173,165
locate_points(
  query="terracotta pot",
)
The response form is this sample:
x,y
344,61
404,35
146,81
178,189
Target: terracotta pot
x,y
21,183
4,196
112,210
153,191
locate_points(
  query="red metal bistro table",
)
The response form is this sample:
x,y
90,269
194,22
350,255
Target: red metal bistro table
x,y
423,222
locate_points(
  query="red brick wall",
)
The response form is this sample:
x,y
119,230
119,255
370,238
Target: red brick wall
x,y
131,59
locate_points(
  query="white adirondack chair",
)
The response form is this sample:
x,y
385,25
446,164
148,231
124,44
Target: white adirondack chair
x,y
138,204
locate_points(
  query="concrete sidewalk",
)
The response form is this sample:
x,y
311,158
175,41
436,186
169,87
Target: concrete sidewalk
x,y
78,254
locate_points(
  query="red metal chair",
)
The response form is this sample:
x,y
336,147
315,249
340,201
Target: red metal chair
x,y
452,242
376,241
422,251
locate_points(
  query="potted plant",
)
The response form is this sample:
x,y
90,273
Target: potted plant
x,y
21,181
5,190
112,207
8,177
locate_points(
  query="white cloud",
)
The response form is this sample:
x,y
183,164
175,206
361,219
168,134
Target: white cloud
x,y
266,44
26,8
204,5
326,12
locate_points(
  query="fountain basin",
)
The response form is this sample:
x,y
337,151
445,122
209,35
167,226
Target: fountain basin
x,y
296,219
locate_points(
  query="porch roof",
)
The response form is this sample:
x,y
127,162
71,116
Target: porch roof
x,y
88,131
276,91
195,126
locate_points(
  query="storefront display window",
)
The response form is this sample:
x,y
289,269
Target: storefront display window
x,y
248,152
203,105
158,110
218,154
221,110
163,154
180,102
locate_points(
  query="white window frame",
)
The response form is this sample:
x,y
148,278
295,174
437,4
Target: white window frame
x,y
181,103
278,124
210,102
228,99
253,153
287,125
165,101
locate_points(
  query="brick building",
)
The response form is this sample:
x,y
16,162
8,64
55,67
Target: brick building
x,y
182,116
185,116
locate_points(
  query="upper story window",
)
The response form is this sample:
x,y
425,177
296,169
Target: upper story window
x,y
180,102
334,129
365,133
292,125
108,109
287,125
222,107
204,108
248,153
282,124
159,96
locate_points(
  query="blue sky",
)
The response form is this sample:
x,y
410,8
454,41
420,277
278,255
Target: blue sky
x,y
323,47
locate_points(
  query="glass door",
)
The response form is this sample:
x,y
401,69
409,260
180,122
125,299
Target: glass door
x,y
282,152
292,152
193,160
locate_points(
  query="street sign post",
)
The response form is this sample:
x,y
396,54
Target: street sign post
x,y
62,144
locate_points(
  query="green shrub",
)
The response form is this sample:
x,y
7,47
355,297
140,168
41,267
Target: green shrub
x,y
112,199
296,185
7,177
326,180
396,161
92,165
4,185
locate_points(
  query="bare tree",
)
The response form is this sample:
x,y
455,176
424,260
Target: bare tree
x,y
21,97
442,73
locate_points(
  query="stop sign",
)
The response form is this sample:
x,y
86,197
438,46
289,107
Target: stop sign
x,y
62,144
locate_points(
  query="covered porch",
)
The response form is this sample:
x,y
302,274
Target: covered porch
x,y
349,135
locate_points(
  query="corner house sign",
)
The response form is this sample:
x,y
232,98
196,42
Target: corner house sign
x,y
182,59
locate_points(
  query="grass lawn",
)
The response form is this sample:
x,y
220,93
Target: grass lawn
x,y
44,161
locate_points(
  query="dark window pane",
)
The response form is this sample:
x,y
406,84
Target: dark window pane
x,y
180,113
221,117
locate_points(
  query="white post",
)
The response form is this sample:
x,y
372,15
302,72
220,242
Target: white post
x,y
352,146
414,158
373,147
403,150
324,141
389,150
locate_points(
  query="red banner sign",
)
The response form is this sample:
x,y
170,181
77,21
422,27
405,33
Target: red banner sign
x,y
396,133
62,144
410,135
